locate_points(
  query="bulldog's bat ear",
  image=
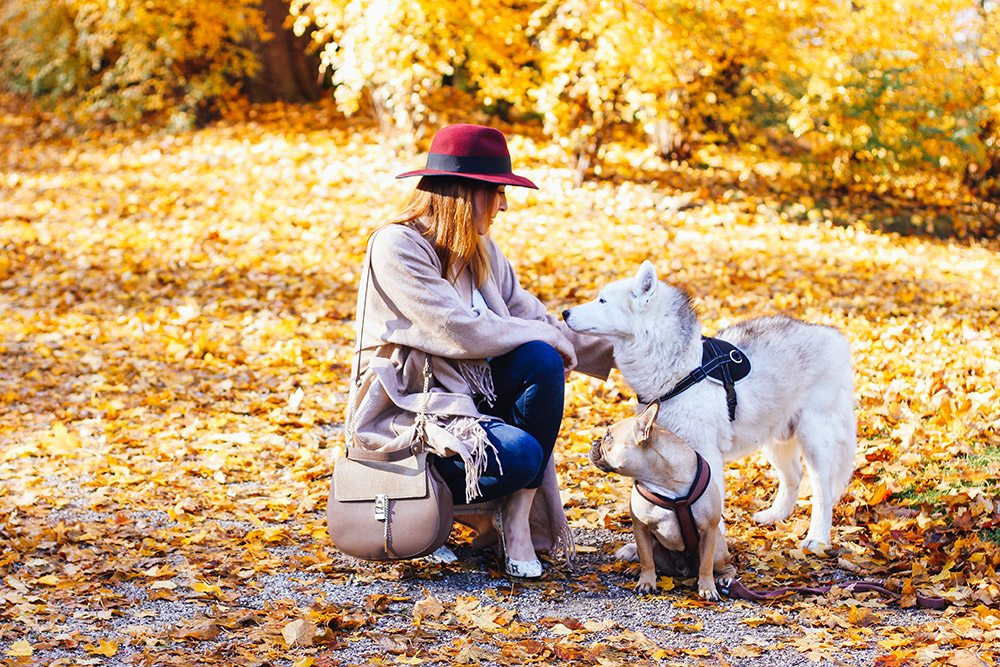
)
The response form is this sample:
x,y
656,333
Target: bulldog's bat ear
x,y
644,423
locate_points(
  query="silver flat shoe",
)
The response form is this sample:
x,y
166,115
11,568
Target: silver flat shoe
x,y
443,555
523,569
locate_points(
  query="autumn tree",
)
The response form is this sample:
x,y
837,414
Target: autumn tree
x,y
289,65
892,86
983,172
124,61
394,56
675,71
862,92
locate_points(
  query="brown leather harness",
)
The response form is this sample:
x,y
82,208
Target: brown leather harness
x,y
682,506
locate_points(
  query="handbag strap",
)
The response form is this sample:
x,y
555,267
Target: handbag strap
x,y
351,429
362,454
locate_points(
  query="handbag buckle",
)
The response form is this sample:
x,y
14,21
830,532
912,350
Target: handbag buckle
x,y
381,507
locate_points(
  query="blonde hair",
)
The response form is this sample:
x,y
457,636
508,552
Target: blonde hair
x,y
443,209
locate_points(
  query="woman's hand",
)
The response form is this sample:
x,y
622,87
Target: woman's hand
x,y
566,350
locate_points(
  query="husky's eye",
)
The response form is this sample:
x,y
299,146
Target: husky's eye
x,y
601,300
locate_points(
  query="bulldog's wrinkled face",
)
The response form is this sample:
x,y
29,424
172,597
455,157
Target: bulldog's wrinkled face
x,y
623,449
597,455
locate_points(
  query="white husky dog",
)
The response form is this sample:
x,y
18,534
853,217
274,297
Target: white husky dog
x,y
797,400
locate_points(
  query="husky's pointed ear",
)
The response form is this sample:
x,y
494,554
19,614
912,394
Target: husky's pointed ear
x,y
645,283
644,423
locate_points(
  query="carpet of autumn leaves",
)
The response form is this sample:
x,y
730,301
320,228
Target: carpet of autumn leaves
x,y
176,319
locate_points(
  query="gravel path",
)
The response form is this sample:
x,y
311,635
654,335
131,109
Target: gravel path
x,y
466,612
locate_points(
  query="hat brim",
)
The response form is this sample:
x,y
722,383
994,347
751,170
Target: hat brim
x,y
500,179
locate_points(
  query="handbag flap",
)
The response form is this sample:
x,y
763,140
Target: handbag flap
x,y
363,480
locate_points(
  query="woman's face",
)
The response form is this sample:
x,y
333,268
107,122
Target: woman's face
x,y
488,203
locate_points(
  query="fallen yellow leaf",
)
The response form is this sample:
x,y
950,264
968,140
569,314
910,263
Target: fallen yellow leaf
x,y
103,647
299,633
20,649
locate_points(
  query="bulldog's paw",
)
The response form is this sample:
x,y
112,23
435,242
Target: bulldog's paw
x,y
629,553
708,591
647,584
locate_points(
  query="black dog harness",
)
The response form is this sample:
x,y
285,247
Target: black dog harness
x,y
682,506
721,361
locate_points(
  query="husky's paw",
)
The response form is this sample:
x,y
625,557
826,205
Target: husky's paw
x,y
769,516
629,553
817,547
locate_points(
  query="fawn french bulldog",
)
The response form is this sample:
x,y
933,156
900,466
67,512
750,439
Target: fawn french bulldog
x,y
674,507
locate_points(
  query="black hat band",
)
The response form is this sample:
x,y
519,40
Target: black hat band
x,y
469,164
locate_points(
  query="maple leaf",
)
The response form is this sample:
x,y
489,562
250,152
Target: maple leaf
x,y
966,659
862,616
430,607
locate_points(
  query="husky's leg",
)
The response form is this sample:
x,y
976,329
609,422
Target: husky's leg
x,y
784,456
717,466
829,441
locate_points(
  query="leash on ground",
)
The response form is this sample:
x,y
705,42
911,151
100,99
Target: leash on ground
x,y
735,590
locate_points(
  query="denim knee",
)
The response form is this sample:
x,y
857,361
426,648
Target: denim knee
x,y
545,361
513,463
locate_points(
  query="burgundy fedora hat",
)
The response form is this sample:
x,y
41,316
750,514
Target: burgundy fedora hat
x,y
471,151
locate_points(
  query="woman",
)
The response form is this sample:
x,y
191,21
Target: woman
x,y
436,284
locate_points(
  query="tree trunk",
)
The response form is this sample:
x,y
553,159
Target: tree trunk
x,y
289,68
671,141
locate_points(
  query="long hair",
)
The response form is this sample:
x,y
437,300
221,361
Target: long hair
x,y
443,209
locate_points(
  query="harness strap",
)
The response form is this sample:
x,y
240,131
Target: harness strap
x,y
682,506
727,376
734,589
719,358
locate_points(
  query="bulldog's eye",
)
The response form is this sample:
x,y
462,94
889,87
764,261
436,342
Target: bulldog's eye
x,y
601,300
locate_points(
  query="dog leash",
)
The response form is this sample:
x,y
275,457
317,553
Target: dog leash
x,y
734,589
720,360
682,506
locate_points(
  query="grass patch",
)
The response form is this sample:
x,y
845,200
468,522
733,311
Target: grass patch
x,y
990,535
989,457
931,497
983,460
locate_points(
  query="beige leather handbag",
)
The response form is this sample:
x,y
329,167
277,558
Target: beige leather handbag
x,y
388,505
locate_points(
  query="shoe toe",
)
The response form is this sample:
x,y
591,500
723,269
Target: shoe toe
x,y
525,569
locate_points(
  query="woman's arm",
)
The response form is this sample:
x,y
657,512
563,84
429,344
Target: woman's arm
x,y
594,355
410,303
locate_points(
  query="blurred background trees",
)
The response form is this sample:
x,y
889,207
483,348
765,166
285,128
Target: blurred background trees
x,y
863,91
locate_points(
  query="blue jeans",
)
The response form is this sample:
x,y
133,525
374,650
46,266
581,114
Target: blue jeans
x,y
529,384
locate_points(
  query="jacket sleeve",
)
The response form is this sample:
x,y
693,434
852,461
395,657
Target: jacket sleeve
x,y
408,302
594,355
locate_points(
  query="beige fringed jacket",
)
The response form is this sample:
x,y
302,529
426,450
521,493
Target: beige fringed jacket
x,y
406,311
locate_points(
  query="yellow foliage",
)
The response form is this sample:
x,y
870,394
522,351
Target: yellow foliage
x,y
176,325
866,89
121,61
